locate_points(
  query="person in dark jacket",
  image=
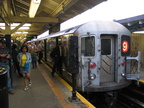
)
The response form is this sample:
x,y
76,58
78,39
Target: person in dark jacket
x,y
4,63
57,55
15,52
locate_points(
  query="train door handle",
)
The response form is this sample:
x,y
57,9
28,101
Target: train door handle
x,y
82,59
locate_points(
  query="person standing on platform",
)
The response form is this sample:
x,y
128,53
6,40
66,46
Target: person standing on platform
x,y
40,51
4,62
57,55
15,52
33,50
24,59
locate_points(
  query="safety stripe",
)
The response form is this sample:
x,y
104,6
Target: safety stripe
x,y
141,80
87,103
55,89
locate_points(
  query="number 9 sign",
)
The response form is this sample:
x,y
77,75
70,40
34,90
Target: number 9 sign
x,y
125,46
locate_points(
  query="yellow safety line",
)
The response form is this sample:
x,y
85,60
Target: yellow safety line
x,y
55,89
141,80
87,103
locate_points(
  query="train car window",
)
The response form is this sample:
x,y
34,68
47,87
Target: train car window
x,y
125,45
105,46
51,43
88,46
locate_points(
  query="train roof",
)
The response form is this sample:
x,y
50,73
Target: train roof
x,y
63,32
73,29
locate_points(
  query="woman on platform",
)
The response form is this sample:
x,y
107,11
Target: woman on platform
x,y
24,59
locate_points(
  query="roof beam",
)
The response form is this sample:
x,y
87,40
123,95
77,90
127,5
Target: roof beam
x,y
15,19
16,28
1,30
61,6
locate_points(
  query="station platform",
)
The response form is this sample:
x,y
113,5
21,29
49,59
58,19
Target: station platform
x,y
46,92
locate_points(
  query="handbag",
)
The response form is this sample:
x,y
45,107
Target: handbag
x,y
26,65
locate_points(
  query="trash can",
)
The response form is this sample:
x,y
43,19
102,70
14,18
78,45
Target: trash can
x,y
3,89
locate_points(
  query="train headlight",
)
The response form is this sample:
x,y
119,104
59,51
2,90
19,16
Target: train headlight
x,y
92,65
92,76
122,74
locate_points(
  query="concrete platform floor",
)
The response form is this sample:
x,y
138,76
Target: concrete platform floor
x,y
46,92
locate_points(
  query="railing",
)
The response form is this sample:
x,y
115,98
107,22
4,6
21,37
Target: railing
x,y
135,68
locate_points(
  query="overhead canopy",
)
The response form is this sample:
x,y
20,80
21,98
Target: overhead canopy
x,y
133,23
50,12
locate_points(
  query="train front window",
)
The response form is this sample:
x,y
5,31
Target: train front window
x,y
88,46
105,46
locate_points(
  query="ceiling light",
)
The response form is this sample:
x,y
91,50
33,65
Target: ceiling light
x,y
2,24
4,28
27,24
33,7
25,32
14,27
14,24
139,32
23,28
18,32
129,24
141,22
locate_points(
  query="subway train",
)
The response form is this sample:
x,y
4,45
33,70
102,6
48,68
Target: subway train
x,y
95,52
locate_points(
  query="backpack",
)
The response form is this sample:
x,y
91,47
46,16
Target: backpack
x,y
53,53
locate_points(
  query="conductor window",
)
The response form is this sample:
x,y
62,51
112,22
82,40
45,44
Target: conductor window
x,y
105,46
88,46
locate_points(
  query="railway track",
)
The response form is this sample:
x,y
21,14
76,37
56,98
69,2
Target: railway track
x,y
131,97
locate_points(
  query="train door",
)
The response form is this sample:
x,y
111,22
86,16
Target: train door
x,y
88,61
108,54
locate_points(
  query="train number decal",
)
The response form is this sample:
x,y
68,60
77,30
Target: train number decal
x,y
125,46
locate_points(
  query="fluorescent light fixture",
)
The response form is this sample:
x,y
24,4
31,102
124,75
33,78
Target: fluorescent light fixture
x,y
18,32
141,22
25,32
14,24
34,5
139,32
24,28
4,27
12,27
2,24
21,32
129,24
27,24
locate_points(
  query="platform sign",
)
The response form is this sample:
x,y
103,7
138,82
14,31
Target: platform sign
x,y
125,45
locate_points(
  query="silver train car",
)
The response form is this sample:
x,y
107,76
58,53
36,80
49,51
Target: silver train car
x,y
96,52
